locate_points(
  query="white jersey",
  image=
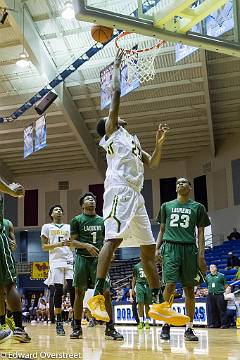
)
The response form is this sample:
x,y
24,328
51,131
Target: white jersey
x,y
60,256
124,160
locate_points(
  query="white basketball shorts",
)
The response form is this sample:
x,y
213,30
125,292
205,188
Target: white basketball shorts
x,y
125,216
58,276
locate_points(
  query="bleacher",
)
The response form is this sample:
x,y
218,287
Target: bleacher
x,y
218,256
122,269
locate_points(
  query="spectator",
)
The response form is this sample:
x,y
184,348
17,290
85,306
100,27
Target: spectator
x,y
235,235
231,306
237,276
32,309
216,305
119,294
232,261
42,312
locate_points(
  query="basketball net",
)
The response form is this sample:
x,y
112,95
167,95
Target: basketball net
x,y
139,55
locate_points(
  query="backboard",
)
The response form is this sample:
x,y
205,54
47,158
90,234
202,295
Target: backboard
x,y
179,21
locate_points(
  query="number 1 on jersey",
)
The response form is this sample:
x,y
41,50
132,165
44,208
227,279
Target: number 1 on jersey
x,y
94,235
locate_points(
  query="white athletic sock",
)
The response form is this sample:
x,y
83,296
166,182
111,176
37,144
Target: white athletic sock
x,y
141,318
189,325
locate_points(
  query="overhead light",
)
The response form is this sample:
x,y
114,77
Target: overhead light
x,y
23,60
4,16
68,11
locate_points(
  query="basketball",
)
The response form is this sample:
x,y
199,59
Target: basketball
x,y
101,34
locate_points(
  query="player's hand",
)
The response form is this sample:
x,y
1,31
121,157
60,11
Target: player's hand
x,y
17,189
67,242
161,134
92,249
118,58
13,244
202,265
158,258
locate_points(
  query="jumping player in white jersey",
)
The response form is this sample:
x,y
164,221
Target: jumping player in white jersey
x,y
124,209
56,239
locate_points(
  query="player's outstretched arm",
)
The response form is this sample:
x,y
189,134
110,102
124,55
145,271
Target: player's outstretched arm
x,y
154,160
13,189
112,120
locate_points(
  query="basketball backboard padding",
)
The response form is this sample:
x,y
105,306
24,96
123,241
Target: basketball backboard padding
x,y
83,12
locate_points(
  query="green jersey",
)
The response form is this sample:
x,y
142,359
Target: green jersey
x,y
216,283
181,220
90,229
6,226
139,274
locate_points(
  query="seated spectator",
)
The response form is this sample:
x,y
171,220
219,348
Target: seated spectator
x,y
119,294
33,309
231,306
232,261
235,235
42,312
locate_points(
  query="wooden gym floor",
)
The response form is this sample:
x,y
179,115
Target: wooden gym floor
x,y
145,345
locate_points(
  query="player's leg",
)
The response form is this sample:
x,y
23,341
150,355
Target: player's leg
x,y
147,323
147,303
78,311
104,261
5,333
14,304
110,333
80,283
140,301
188,274
58,280
150,269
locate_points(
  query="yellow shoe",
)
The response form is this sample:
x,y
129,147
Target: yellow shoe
x,y
97,307
163,312
10,323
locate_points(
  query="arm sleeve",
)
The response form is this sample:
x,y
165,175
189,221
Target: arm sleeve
x,y
74,226
202,217
161,218
45,230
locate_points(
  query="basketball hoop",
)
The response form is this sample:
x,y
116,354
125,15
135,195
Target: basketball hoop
x,y
139,54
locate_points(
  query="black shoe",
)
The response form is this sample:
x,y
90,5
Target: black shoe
x,y
77,332
5,334
224,327
92,323
59,328
21,335
112,334
189,335
165,333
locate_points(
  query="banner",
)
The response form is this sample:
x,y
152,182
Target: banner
x,y
220,21
28,140
39,270
123,313
106,84
40,133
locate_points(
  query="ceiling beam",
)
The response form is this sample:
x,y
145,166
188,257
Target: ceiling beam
x,y
45,65
208,101
20,148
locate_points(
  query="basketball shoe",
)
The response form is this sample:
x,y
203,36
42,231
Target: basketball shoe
x,y
5,333
21,335
97,307
10,323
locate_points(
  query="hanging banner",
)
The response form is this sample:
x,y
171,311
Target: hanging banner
x,y
28,140
220,21
39,270
40,133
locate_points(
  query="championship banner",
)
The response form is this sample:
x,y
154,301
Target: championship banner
x,y
39,270
28,140
40,133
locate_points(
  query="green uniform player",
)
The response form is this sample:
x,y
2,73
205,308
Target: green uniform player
x,y
143,294
8,277
87,236
181,258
